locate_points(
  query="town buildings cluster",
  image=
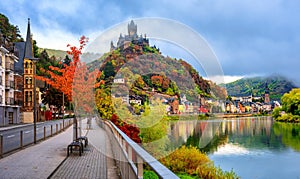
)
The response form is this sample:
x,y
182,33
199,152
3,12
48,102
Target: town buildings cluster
x,y
17,89
251,104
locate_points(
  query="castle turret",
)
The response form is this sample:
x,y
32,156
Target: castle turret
x,y
132,29
112,47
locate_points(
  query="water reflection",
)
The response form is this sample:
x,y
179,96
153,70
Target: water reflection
x,y
244,144
247,132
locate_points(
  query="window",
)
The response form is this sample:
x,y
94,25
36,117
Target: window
x,y
10,117
30,96
30,80
26,96
26,65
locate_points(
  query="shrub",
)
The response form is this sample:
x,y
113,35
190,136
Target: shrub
x,y
148,174
276,112
191,161
185,159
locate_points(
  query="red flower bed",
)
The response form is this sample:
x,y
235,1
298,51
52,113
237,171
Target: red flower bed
x,y
129,129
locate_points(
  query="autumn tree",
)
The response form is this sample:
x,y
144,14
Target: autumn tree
x,y
62,78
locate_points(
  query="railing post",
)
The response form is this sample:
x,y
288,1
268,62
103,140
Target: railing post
x,y
51,130
129,152
44,132
139,167
56,128
21,139
1,146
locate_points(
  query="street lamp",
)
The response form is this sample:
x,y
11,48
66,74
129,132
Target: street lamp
x,y
34,60
63,109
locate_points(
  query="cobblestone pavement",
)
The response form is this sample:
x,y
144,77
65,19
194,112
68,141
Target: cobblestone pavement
x,y
94,162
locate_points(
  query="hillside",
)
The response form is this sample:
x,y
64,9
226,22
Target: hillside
x,y
59,54
278,85
156,72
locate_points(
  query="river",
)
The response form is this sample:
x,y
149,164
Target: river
x,y
255,147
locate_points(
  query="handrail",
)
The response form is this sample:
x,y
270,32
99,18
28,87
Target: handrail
x,y
135,156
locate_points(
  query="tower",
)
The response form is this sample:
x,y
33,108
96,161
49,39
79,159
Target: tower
x,y
132,29
28,78
267,97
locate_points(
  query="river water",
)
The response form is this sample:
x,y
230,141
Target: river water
x,y
255,147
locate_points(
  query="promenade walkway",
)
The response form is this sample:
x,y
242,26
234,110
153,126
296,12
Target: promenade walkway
x,y
49,159
94,162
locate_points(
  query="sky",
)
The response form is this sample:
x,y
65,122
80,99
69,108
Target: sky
x,y
249,37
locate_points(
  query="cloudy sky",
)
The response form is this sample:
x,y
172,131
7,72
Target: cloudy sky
x,y
249,37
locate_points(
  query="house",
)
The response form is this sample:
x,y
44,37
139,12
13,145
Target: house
x,y
119,80
9,109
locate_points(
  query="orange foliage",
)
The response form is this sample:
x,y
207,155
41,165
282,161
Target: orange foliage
x,y
74,80
157,80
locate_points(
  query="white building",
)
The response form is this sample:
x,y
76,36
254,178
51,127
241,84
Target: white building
x,y
9,111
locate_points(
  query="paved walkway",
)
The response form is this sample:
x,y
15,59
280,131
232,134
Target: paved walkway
x,y
94,162
42,160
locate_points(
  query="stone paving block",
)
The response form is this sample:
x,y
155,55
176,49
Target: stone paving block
x,y
90,165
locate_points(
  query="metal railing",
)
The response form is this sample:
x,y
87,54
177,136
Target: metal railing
x,y
14,139
130,157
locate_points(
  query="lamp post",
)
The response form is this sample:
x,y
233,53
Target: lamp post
x,y
63,111
34,60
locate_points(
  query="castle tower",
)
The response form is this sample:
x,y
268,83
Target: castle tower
x,y
267,93
132,29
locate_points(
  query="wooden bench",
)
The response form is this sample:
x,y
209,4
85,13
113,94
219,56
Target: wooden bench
x,y
85,139
75,144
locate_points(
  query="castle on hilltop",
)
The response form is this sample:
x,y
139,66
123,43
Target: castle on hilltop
x,y
131,38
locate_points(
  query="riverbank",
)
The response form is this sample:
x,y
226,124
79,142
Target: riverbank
x,y
212,116
236,115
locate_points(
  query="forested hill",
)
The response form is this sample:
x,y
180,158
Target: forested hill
x,y
278,85
113,61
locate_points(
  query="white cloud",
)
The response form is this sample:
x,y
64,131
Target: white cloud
x,y
224,79
55,39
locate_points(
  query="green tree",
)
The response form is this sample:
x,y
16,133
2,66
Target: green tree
x,y
67,60
109,70
291,102
9,31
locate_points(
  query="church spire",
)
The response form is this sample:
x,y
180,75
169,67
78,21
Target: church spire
x,y
28,43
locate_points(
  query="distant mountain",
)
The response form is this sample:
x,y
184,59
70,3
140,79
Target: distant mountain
x,y
277,85
59,54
